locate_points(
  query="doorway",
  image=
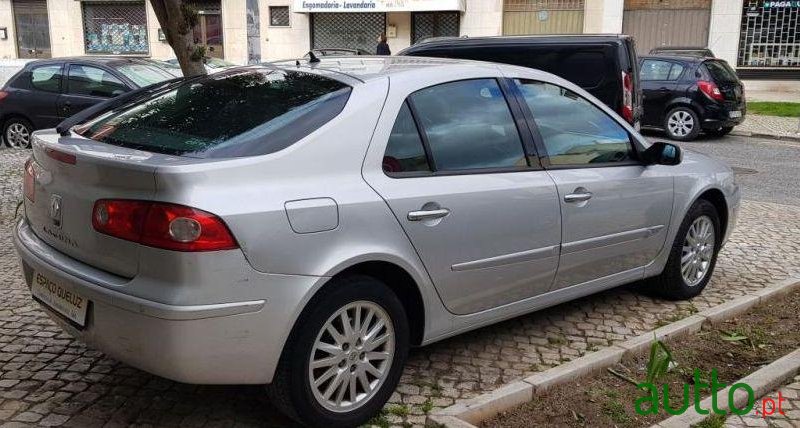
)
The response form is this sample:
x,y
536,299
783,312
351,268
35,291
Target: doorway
x,y
32,28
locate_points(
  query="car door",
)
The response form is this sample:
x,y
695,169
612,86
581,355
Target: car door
x,y
614,209
37,100
456,176
659,80
87,85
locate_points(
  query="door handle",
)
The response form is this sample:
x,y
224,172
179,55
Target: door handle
x,y
427,214
578,197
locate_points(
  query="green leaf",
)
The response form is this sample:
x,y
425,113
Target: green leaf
x,y
659,362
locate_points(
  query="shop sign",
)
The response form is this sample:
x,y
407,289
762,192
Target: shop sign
x,y
781,4
305,6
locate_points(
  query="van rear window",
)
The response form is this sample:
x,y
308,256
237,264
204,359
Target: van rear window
x,y
239,113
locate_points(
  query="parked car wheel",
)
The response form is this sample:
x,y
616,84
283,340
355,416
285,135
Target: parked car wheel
x,y
725,130
682,124
694,254
17,133
345,355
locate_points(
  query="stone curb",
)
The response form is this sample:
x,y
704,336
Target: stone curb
x,y
765,135
763,381
470,412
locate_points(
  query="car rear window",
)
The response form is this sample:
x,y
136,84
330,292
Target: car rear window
x,y
721,72
230,114
145,75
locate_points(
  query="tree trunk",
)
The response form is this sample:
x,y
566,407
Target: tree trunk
x,y
177,22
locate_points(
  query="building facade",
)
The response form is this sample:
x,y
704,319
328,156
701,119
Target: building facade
x,y
756,36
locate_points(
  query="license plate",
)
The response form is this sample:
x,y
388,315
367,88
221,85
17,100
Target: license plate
x,y
735,114
60,298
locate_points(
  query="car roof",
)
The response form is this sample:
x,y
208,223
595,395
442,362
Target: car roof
x,y
91,59
364,68
560,38
683,58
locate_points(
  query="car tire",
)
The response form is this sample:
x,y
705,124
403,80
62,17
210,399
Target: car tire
x,y
682,124
693,255
293,390
725,130
17,133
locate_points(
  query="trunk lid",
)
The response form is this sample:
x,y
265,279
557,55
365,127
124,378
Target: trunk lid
x,y
65,193
727,81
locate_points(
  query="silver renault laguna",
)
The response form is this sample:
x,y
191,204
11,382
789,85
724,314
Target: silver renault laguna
x,y
302,225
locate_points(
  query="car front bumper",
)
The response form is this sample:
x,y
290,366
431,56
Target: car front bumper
x,y
228,343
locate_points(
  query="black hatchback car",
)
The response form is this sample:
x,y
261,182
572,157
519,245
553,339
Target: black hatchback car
x,y
45,92
686,95
604,65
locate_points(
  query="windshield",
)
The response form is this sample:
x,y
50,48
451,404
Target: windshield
x,y
144,75
230,114
721,72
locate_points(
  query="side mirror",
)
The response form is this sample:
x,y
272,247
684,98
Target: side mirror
x,y
661,153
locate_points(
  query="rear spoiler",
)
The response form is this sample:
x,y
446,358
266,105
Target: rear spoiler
x,y
94,111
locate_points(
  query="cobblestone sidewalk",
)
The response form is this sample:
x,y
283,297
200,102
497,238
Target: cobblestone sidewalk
x,y
770,125
790,407
47,378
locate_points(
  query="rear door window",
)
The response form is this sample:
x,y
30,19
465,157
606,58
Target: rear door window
x,y
225,115
405,151
94,82
468,126
46,78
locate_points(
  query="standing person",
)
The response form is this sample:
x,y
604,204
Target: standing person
x,y
383,47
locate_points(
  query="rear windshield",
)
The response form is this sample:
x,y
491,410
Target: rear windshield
x,y
721,72
230,114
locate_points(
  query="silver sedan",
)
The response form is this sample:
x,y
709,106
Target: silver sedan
x,y
302,225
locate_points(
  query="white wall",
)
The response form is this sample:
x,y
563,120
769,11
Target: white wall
x,y
723,34
482,18
8,48
283,42
603,16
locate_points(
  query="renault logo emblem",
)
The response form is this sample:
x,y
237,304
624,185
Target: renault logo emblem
x,y
55,210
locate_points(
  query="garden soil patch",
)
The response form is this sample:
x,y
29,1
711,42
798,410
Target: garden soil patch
x,y
772,330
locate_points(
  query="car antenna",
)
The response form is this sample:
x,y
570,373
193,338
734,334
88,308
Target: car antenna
x,y
312,59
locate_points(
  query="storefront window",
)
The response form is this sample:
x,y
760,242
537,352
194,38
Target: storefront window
x,y
769,35
425,25
347,30
115,28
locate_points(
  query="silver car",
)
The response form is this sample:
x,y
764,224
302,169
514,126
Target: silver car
x,y
302,225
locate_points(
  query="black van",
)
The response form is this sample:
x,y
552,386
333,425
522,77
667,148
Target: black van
x,y
604,65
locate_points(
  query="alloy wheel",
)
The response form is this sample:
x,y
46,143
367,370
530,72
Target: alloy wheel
x,y
698,251
18,136
681,123
352,356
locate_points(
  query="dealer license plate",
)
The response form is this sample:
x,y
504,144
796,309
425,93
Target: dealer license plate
x,y
735,114
60,298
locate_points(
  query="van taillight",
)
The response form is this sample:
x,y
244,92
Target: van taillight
x,y
627,97
29,182
162,225
3,95
711,90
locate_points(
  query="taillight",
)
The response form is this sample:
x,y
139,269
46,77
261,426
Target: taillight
x,y
711,90
162,225
29,182
3,95
627,97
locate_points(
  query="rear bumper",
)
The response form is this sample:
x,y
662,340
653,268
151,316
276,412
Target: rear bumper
x,y
227,343
719,116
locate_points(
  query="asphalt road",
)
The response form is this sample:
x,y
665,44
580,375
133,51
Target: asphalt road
x,y
767,170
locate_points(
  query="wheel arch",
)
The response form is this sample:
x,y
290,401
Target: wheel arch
x,y
400,281
716,198
683,102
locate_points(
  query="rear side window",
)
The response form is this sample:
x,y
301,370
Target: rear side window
x,y
94,82
144,75
225,115
468,126
574,131
655,70
46,78
405,152
721,72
